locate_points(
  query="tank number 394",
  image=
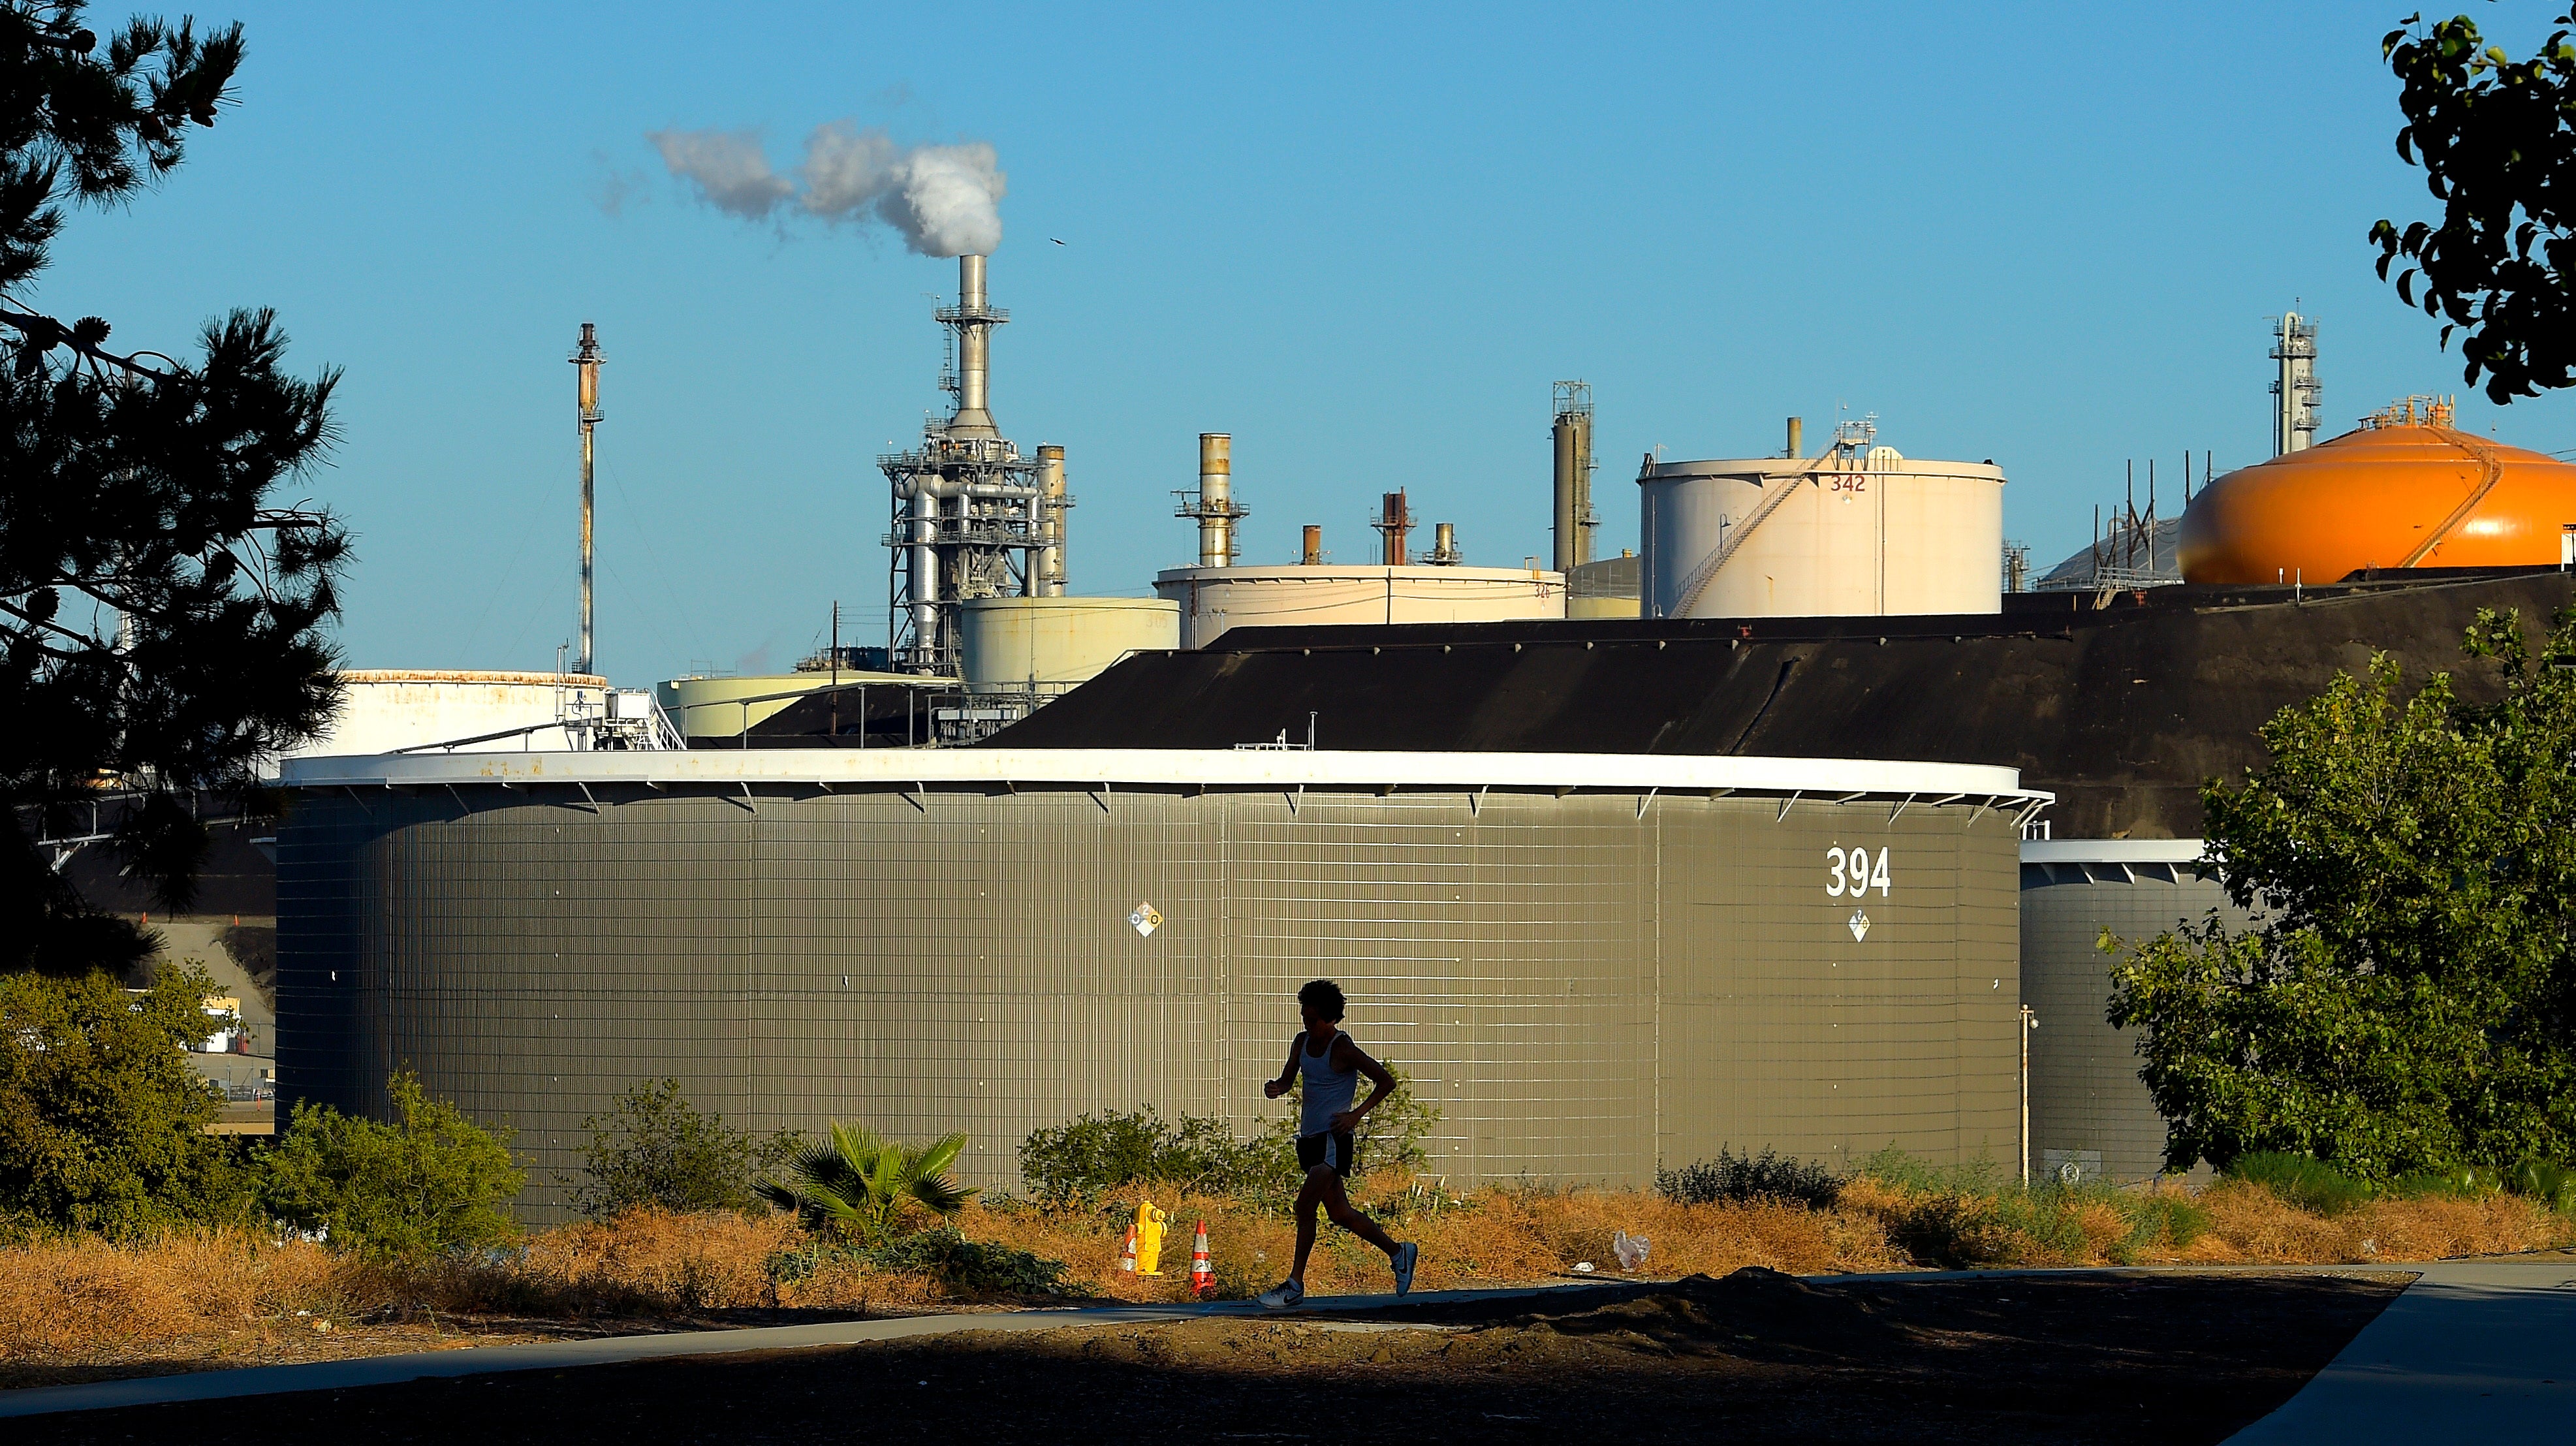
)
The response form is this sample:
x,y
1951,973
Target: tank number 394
x,y
1854,873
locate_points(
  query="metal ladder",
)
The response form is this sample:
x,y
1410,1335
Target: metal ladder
x,y
1708,570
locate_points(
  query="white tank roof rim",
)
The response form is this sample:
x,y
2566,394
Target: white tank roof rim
x,y
1828,780
2112,850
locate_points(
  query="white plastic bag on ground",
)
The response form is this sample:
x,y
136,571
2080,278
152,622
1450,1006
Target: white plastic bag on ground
x,y
1631,1249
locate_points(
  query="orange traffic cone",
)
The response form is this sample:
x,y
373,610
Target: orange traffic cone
x,y
1202,1272
1127,1257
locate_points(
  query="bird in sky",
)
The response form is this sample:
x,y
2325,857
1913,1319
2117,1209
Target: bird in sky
x,y
1056,239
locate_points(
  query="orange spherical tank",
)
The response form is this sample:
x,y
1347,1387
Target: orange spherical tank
x,y
2406,490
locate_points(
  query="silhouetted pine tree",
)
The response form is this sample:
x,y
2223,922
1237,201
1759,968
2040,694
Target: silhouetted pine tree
x,y
163,623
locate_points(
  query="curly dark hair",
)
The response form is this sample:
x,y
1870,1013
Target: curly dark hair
x,y
1323,999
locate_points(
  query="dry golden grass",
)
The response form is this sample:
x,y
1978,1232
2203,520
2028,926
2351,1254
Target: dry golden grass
x,y
2250,1224
227,1296
2244,1224
1495,1236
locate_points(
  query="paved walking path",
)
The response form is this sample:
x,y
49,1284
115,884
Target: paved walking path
x,y
610,1350
2473,1351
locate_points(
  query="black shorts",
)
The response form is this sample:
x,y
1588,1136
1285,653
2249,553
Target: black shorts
x,y
1330,1147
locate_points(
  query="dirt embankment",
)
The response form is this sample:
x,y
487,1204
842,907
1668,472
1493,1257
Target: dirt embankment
x,y
2162,1359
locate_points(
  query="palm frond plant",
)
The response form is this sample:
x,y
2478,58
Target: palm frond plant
x,y
856,1183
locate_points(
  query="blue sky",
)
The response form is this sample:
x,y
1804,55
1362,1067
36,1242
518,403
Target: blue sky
x,y
1363,240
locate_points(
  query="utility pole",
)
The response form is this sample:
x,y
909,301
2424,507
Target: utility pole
x,y
587,358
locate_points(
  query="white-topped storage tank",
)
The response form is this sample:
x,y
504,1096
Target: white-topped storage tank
x,y
1859,531
1049,644
382,710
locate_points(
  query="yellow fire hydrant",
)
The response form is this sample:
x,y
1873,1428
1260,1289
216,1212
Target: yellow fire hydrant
x,y
1149,1238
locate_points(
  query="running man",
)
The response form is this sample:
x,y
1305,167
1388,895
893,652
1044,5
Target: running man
x,y
1332,1066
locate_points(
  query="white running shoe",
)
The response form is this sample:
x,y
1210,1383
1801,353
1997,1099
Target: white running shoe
x,y
1405,1255
1283,1295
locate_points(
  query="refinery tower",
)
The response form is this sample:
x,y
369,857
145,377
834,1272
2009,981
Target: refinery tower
x,y
972,517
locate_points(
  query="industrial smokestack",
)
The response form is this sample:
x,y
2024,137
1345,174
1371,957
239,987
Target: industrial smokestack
x,y
1313,555
1394,521
1797,443
1216,499
1574,520
586,415
1052,501
1444,545
974,320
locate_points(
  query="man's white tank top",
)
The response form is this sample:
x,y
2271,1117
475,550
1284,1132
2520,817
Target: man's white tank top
x,y
1329,1091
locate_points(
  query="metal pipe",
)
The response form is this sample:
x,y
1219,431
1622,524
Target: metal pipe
x,y
1797,442
1585,521
1564,492
1050,579
925,570
1313,555
1216,499
586,357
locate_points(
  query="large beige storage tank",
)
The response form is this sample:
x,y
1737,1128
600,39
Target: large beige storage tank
x,y
1047,644
1213,599
1603,589
385,709
1852,533
721,707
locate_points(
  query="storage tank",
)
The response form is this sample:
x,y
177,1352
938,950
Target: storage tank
x,y
1213,599
1595,963
1041,644
1603,589
723,707
1860,531
2406,489
382,709
2090,1115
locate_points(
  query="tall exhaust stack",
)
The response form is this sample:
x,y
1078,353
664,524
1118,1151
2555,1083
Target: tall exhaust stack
x,y
586,414
1049,575
1575,520
1312,554
973,518
974,318
1394,521
1213,504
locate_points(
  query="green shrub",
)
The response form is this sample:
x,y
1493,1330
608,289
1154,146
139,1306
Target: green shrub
x,y
1749,1177
1074,1163
1956,1231
2459,1182
971,1266
2302,1180
2158,1219
654,1148
435,1183
2550,1184
1892,1166
102,1121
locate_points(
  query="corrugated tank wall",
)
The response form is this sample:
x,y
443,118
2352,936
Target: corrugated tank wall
x,y
2088,1108
1587,985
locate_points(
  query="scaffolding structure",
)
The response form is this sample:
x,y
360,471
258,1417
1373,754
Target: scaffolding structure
x,y
972,517
2296,391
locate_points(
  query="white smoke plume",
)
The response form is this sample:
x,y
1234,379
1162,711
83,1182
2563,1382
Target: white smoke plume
x,y
728,168
943,200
